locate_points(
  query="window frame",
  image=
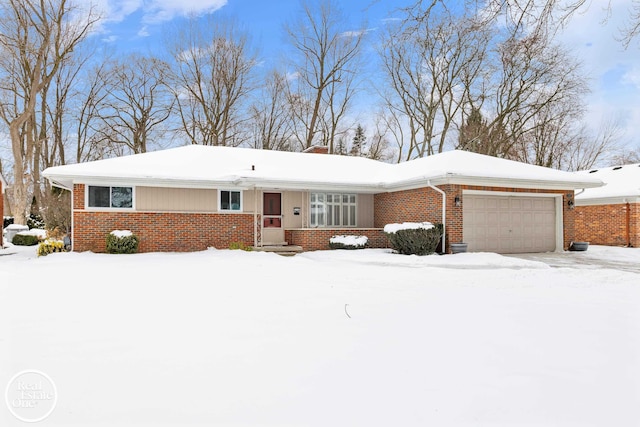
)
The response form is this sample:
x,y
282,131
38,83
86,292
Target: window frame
x,y
109,208
328,204
240,210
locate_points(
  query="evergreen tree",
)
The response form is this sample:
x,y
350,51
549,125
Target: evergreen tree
x,y
359,141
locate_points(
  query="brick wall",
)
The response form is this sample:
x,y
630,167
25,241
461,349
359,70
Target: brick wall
x,y
607,224
425,204
78,196
315,239
163,232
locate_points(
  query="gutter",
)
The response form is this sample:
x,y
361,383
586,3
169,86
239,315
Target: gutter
x,y
444,214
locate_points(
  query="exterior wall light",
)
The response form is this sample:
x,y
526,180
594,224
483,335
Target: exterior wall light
x,y
457,201
570,204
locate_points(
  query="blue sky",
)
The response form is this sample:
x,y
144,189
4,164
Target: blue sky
x,y
614,72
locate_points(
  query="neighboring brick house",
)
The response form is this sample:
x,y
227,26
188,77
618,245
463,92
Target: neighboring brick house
x,y
194,197
610,215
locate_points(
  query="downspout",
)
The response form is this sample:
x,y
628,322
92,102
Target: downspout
x,y
628,224
73,229
444,214
255,216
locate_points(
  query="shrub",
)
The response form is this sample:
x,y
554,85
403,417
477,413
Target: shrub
x,y
50,246
7,221
348,242
35,221
240,245
122,242
25,240
414,238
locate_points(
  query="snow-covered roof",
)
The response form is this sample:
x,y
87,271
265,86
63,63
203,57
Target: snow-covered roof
x,y
197,166
622,185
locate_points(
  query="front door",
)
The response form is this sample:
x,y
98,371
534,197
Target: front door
x,y
272,231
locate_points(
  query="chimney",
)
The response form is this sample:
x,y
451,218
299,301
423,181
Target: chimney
x,y
317,149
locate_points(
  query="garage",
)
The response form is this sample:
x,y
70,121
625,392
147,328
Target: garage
x,y
509,223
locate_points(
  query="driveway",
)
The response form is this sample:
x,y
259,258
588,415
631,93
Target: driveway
x,y
596,257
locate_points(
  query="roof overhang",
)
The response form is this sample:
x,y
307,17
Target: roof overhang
x,y
485,181
246,182
615,200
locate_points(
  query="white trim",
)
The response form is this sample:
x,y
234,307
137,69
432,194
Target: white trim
x,y
558,207
231,211
602,201
109,209
247,183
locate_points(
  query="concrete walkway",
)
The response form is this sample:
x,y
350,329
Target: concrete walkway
x,y
589,259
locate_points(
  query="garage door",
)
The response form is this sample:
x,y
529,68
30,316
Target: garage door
x,y
509,224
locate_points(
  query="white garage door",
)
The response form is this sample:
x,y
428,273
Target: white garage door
x,y
509,224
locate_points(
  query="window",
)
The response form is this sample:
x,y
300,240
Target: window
x,y
110,197
332,210
230,200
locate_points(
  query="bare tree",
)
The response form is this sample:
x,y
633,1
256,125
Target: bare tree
x,y
37,37
90,130
432,61
137,103
588,149
325,56
534,98
271,116
212,77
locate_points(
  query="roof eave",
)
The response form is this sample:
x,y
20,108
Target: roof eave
x,y
483,181
607,200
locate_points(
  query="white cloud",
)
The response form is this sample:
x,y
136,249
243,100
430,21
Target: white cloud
x,y
156,11
357,33
292,76
110,39
632,77
143,32
592,35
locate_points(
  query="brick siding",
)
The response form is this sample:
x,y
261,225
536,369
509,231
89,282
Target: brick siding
x,y
78,196
425,204
197,231
607,224
316,239
163,232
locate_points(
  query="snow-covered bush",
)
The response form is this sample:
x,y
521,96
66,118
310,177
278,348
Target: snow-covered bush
x,y
414,238
25,240
122,242
348,242
35,221
7,221
50,246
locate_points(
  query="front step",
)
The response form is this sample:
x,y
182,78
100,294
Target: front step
x,y
288,250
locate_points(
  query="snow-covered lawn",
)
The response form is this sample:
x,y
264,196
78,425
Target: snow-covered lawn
x,y
331,338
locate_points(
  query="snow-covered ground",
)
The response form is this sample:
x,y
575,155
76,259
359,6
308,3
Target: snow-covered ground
x,y
330,338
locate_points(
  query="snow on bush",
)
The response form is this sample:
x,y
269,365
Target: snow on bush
x,y
122,233
122,242
393,228
348,242
38,232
